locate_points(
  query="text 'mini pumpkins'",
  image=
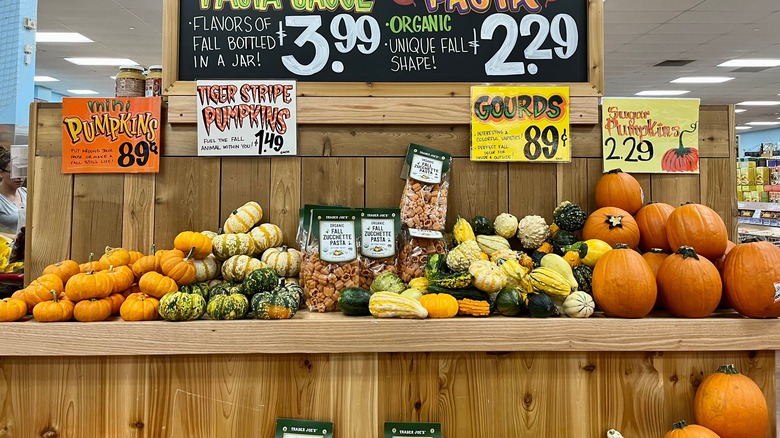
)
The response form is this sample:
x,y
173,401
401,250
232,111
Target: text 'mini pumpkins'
x,y
697,226
688,285
613,226
619,189
731,405
623,284
751,275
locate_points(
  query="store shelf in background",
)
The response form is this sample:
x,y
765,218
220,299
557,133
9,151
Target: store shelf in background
x,y
770,206
335,333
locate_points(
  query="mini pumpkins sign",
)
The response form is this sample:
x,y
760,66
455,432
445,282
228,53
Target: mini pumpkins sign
x,y
650,135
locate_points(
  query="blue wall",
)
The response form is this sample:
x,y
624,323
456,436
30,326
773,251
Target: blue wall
x,y
751,140
17,86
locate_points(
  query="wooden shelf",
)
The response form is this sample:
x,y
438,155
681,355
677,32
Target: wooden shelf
x,y
334,333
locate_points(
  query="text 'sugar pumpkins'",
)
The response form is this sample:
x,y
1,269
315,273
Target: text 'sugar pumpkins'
x,y
731,405
623,284
697,226
619,189
751,274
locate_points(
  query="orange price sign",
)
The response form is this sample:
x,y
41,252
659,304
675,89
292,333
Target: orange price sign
x,y
111,135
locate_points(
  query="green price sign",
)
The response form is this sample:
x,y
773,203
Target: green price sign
x,y
289,428
420,430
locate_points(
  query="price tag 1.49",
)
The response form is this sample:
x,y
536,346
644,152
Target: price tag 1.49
x,y
520,124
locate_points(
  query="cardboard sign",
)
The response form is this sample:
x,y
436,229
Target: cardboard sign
x,y
420,430
246,118
520,124
650,135
111,135
290,428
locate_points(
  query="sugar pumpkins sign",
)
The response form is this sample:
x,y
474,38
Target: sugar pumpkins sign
x,y
650,135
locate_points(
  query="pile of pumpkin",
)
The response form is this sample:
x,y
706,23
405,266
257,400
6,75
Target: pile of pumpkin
x,y
178,285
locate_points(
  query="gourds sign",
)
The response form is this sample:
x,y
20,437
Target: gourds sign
x,y
114,135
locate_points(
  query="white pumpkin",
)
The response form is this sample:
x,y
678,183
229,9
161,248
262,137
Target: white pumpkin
x,y
243,218
228,245
210,234
488,277
206,269
285,261
236,268
579,305
505,225
266,236
612,433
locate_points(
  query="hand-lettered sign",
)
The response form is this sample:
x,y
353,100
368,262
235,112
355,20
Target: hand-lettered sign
x,y
111,135
387,41
250,118
520,124
650,135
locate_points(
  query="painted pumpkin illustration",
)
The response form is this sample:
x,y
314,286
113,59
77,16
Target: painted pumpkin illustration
x,y
681,159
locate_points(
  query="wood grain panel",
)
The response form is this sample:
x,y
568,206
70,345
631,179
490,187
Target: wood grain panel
x,y
383,183
138,211
595,171
532,189
716,192
572,182
245,179
338,181
97,214
187,197
477,189
286,196
51,198
714,137
675,189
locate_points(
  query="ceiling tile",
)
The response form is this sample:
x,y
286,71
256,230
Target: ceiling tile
x,y
703,17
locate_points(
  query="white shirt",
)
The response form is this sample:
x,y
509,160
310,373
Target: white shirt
x,y
9,212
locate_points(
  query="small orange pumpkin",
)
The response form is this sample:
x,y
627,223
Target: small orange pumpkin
x,y
116,302
92,265
612,225
139,307
683,430
64,269
95,309
731,405
688,285
135,256
440,305
623,284
186,240
122,278
156,285
619,189
750,273
40,289
146,264
133,290
88,285
55,310
699,227
651,220
12,309
115,257
176,265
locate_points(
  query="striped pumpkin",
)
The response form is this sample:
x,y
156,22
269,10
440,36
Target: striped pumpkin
x,y
243,218
237,267
228,245
266,236
285,261
206,269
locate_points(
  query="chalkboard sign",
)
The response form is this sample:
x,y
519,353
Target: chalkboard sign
x,y
384,40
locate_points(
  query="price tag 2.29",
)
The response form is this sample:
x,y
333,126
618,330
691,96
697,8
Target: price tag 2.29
x,y
631,150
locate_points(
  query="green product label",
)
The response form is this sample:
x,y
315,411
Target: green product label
x,y
289,428
337,234
421,430
380,228
426,164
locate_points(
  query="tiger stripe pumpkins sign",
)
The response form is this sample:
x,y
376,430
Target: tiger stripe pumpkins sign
x,y
650,135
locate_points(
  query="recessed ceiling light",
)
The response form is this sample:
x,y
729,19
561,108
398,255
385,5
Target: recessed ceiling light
x,y
131,28
661,93
740,110
701,80
742,128
112,77
101,61
61,37
83,92
751,63
763,123
46,79
760,103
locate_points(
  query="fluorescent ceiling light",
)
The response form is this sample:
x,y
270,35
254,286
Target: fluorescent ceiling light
x,y
46,79
742,128
763,123
101,61
82,92
114,78
751,63
661,93
61,37
702,80
760,103
740,110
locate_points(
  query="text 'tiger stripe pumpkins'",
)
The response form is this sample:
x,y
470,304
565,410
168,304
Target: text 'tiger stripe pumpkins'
x,y
619,189
623,284
697,226
751,274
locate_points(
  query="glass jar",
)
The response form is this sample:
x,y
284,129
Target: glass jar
x,y
130,81
154,81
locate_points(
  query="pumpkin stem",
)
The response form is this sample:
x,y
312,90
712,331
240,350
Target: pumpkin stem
x,y
189,254
679,425
728,369
693,129
91,257
614,221
154,249
687,252
108,248
652,202
621,246
656,250
54,294
618,170
92,272
583,250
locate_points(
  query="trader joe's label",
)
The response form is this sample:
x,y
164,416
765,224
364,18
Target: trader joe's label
x,y
379,228
289,428
336,231
650,135
255,118
420,430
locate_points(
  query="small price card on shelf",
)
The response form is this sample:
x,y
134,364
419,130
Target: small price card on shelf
x,y
420,430
650,135
520,124
291,428
111,135
246,118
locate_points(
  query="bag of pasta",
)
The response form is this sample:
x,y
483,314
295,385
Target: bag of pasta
x,y
331,263
379,231
416,246
424,199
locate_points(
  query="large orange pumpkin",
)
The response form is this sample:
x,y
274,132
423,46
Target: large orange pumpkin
x,y
697,226
623,284
719,261
751,274
612,225
731,405
651,220
683,430
688,285
619,189
724,299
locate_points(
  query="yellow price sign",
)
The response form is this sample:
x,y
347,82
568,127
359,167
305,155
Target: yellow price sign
x,y
520,124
